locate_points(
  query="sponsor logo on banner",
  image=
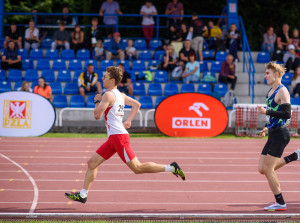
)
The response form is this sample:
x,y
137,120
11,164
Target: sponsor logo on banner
x,y
191,115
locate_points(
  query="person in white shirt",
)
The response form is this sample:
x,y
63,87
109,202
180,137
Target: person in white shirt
x,y
147,10
31,37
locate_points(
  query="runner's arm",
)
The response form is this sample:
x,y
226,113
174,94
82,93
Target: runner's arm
x,y
285,103
101,106
134,110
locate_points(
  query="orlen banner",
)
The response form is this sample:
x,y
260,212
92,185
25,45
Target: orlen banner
x,y
25,114
191,115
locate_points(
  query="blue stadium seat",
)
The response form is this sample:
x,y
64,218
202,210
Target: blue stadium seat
x,y
31,75
68,55
263,57
48,75
14,75
36,54
71,88
132,75
60,101
127,106
18,84
286,78
100,75
5,86
152,65
77,101
126,64
187,88
145,55
215,67
76,75
139,89
140,44
204,89
75,65
154,44
208,55
23,53
106,43
146,102
27,64
43,64
104,64
159,55
83,54
55,87
203,66
33,84
90,101
211,79
138,65
295,101
154,89
221,89
171,89
94,62
46,43
64,76
124,41
2,75
59,65
158,100
52,54
161,76
221,56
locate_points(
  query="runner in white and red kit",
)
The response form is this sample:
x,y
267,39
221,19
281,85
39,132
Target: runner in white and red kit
x,y
112,106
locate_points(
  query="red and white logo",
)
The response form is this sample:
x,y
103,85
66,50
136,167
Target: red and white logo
x,y
17,109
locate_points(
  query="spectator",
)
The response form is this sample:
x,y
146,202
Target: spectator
x,y
93,35
110,7
25,87
116,48
130,50
32,37
269,41
197,29
192,70
39,20
170,35
65,18
183,32
99,51
148,22
283,39
174,8
296,82
227,73
177,72
125,85
222,22
77,38
214,36
61,38
88,81
296,40
185,51
169,63
15,35
290,58
11,57
43,89
233,41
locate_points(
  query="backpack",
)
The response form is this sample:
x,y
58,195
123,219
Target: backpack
x,y
176,73
229,99
147,75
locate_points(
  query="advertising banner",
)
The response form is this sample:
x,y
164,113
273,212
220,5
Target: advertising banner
x,y
191,115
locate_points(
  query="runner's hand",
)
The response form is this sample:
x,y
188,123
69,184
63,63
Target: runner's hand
x,y
262,133
127,124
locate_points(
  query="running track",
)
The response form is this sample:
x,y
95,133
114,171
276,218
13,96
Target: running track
x,y
221,177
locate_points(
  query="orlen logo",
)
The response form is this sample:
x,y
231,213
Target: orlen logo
x,y
191,115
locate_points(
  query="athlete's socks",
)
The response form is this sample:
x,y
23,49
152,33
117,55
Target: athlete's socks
x,y
279,199
291,157
84,193
169,168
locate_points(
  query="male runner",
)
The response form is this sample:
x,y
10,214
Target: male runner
x,y
112,106
278,114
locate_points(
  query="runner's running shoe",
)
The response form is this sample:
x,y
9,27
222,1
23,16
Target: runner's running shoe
x,y
178,170
297,151
276,207
76,197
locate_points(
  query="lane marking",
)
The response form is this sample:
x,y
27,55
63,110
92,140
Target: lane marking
x,y
36,191
10,180
144,157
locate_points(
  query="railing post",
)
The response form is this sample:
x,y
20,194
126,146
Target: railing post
x,y
157,27
1,17
117,25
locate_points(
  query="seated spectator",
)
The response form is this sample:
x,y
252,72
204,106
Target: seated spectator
x,y
125,85
130,51
65,18
116,49
169,62
11,58
170,35
99,51
148,22
283,38
227,73
191,72
61,38
93,35
296,40
290,59
32,37
77,38
296,82
269,41
25,87
14,34
233,41
43,89
214,36
185,51
183,32
88,81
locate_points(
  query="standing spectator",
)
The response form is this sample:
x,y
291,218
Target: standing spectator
x,y
148,22
214,37
296,82
296,40
269,41
227,73
192,70
25,87
77,38
66,18
183,32
130,51
61,38
290,58
174,8
169,62
39,20
99,51
14,34
125,85
116,49
170,35
185,51
32,37
197,27
93,35
222,22
283,39
88,81
233,41
11,57
110,7
43,89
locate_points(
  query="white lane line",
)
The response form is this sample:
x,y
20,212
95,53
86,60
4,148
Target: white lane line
x,y
139,151
144,157
36,190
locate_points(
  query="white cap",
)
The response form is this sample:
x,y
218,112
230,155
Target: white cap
x,y
291,47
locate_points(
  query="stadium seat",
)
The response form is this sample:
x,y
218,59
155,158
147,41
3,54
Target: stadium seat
x,y
59,65
77,101
67,55
46,43
295,101
90,101
159,55
142,76
43,64
187,88
215,67
100,75
152,65
132,75
48,75
209,77
161,76
71,88
64,76
14,75
146,102
154,44
2,75
5,86
27,64
203,66
31,75
106,43
124,41
76,75
18,84
33,84
286,78
139,89
36,54
159,99
221,56
171,89
140,44
263,57
127,106
208,55
52,54
55,87
60,101
221,89
83,54
104,64
75,65
145,55
94,62
125,63
138,65
154,89
23,53
204,89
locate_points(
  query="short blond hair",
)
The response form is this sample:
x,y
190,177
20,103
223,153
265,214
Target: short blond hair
x,y
280,69
115,73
